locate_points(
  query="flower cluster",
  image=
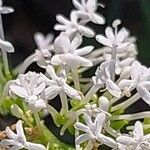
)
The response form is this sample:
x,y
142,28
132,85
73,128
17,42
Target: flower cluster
x,y
92,108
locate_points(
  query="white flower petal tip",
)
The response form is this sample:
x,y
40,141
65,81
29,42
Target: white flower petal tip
x,y
116,23
6,46
6,10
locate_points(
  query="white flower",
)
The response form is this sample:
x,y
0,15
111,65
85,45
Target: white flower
x,y
6,46
140,79
103,77
114,40
93,131
72,26
30,87
67,52
18,141
43,54
137,142
4,9
87,11
58,85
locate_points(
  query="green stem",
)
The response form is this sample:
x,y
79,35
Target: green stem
x,y
90,93
64,103
4,54
37,119
127,103
130,117
75,78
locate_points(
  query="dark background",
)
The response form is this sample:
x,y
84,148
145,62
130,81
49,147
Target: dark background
x,y
31,16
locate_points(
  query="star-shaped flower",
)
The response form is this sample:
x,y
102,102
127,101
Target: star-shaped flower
x,y
118,40
86,10
67,52
58,84
103,77
43,54
93,131
18,141
30,87
72,26
140,79
138,141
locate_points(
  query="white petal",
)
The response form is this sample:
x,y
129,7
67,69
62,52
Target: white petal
x,y
6,46
91,5
138,131
59,27
122,34
144,93
8,142
62,43
80,126
88,120
20,131
136,70
52,91
84,62
97,18
34,146
84,50
113,88
81,138
19,91
103,40
77,4
10,133
107,141
39,89
126,83
99,122
109,33
62,20
77,41
72,93
125,140
6,10
86,31
51,71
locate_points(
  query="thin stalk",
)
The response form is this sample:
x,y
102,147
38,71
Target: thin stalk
x,y
127,103
130,117
64,103
52,111
90,93
115,99
4,54
75,78
37,119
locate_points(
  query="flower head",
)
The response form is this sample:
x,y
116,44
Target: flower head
x,y
137,142
30,87
58,84
43,54
86,10
140,79
103,77
71,27
68,53
93,130
18,141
